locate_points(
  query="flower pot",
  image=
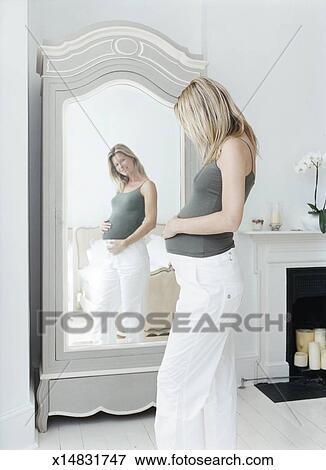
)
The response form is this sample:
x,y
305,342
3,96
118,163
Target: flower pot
x,y
311,222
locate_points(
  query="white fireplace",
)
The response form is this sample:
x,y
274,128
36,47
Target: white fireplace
x,y
264,258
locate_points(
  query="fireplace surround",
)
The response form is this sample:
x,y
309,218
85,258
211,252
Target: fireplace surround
x,y
274,264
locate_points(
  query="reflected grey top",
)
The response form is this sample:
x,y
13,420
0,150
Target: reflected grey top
x,y
205,199
128,213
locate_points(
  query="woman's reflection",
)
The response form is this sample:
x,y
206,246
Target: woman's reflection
x,y
126,267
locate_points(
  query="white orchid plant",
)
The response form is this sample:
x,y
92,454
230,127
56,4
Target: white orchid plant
x,y
314,160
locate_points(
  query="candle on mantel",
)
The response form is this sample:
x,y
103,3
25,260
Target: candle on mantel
x,y
276,215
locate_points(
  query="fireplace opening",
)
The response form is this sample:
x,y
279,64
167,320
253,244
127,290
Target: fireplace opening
x,y
306,310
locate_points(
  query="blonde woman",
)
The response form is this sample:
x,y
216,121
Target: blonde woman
x,y
126,268
196,383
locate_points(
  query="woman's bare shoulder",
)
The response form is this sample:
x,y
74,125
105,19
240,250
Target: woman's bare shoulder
x,y
148,187
236,141
235,149
232,148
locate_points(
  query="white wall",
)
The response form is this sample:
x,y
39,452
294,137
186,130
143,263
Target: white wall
x,y
16,401
243,41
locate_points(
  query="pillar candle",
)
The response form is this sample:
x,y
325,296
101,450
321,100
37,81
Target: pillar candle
x,y
314,355
323,359
320,337
303,338
300,359
276,213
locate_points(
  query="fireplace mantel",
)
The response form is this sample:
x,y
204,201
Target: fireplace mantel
x,y
284,235
273,252
287,246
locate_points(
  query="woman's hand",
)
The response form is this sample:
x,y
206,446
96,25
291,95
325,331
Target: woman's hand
x,y
105,226
171,228
115,246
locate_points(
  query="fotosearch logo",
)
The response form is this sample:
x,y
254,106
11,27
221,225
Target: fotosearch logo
x,y
182,321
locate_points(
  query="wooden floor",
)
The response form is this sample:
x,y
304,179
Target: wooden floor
x,y
262,424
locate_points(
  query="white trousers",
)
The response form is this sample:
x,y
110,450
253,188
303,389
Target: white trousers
x,y
122,288
196,382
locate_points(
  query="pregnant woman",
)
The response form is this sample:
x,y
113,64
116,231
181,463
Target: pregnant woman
x,y
126,268
196,383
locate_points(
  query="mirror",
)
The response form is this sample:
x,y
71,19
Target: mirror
x,y
94,280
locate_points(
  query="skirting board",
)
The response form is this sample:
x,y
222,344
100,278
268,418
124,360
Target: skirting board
x,y
17,428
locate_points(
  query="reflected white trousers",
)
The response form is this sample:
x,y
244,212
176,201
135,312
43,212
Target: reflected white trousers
x,y
196,382
122,288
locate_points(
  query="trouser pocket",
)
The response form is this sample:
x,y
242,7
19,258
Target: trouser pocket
x,y
233,295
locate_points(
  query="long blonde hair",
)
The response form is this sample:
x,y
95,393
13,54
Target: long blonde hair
x,y
122,180
209,117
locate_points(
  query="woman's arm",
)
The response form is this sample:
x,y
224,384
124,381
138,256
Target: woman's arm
x,y
150,198
232,163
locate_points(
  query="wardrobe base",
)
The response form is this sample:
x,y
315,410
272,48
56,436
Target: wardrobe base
x,y
118,394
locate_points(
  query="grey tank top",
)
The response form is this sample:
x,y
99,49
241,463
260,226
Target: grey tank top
x,y
205,199
128,213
